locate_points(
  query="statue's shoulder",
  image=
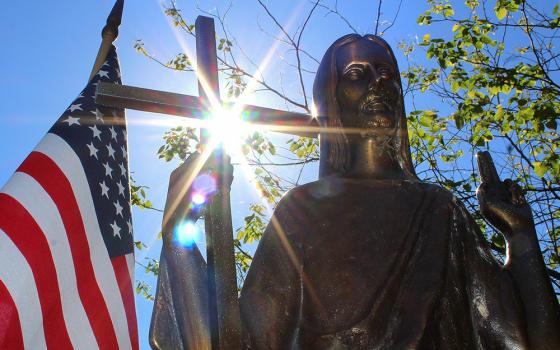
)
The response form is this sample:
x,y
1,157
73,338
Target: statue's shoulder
x,y
308,195
318,190
299,194
442,197
437,190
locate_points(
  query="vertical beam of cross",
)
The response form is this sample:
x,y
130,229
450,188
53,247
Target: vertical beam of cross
x,y
207,65
225,323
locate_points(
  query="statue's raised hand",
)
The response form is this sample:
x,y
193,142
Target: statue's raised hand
x,y
502,203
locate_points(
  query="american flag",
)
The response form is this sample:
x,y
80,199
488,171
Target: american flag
x,y
66,245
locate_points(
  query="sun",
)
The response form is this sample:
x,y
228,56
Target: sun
x,y
227,128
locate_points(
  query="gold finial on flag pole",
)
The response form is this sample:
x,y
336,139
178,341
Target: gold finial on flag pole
x,y
108,35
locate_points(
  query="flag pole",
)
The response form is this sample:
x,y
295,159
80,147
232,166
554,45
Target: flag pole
x,y
108,35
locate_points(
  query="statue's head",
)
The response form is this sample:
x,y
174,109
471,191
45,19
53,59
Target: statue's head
x,y
358,91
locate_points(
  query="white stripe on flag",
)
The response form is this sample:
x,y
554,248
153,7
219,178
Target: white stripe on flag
x,y
23,290
62,154
130,264
40,206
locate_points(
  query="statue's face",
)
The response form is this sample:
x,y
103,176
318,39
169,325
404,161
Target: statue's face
x,y
368,90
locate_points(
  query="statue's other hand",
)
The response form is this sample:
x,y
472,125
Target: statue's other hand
x,y
194,182
219,166
502,203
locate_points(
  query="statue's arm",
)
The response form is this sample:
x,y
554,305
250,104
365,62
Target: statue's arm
x,y
271,295
503,204
181,305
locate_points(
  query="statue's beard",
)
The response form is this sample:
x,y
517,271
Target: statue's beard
x,y
376,103
377,113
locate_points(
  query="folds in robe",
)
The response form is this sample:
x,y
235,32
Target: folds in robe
x,y
407,268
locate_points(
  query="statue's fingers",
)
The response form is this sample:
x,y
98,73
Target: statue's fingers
x,y
480,191
486,168
482,195
515,191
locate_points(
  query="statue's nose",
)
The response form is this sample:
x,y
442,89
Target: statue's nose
x,y
375,81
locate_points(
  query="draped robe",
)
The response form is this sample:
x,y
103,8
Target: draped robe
x,y
377,264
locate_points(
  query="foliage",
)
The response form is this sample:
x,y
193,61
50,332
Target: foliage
x,y
179,143
494,66
497,70
138,196
252,231
143,289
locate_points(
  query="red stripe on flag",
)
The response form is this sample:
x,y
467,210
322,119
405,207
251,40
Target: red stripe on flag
x,y
22,229
55,183
10,326
125,286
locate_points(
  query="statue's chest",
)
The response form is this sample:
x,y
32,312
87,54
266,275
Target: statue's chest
x,y
352,249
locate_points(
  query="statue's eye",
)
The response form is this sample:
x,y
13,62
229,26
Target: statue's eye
x,y
385,72
354,73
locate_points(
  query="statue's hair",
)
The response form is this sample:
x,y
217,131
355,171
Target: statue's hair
x,y
335,153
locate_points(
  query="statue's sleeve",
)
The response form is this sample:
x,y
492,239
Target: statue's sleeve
x,y
164,331
180,315
271,295
494,305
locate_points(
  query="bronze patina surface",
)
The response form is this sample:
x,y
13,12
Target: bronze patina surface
x,y
371,257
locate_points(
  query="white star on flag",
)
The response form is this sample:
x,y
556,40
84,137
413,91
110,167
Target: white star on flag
x,y
113,133
116,229
118,208
108,170
121,188
104,189
123,169
103,73
92,150
96,132
74,107
98,115
111,151
72,120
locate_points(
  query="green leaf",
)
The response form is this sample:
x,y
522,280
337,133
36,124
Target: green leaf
x,y
425,121
540,169
501,12
454,86
459,121
139,245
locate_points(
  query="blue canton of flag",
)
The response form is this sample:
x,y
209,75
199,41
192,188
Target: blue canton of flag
x,y
98,136
66,244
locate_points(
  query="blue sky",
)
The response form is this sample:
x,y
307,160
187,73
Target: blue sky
x,y
49,48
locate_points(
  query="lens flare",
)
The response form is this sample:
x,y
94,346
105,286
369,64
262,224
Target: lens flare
x,y
187,234
205,185
198,198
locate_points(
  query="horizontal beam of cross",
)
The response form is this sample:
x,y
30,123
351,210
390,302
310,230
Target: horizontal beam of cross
x,y
123,96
